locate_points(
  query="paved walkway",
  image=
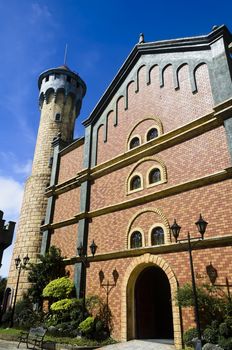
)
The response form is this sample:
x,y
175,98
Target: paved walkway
x,y
153,344
12,345
150,344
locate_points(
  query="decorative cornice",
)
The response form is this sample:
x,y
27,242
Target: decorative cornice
x,y
177,45
170,191
207,243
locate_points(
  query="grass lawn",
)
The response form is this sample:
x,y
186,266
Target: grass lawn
x,y
65,340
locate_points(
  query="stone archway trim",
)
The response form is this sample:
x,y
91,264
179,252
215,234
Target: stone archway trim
x,y
137,264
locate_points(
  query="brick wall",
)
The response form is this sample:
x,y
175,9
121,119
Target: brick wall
x,y
198,157
173,107
185,207
65,238
70,164
179,263
67,205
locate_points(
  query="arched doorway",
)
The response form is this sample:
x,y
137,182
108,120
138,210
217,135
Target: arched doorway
x,y
153,308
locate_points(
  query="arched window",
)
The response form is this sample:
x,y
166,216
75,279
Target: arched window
x,y
134,142
136,240
157,236
152,134
135,183
154,176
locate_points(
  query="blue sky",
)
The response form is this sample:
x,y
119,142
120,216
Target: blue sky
x,y
100,34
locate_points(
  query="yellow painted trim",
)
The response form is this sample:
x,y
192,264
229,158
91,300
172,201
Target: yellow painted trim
x,y
207,243
210,179
140,212
186,132
127,296
157,124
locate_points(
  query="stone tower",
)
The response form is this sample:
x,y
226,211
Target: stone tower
x,y
61,94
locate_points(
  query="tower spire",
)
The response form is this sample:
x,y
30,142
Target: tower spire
x,y
65,54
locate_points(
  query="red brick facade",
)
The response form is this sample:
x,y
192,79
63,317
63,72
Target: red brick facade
x,y
193,154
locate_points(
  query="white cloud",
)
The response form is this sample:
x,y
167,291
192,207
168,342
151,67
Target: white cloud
x,y
24,169
11,164
11,194
41,13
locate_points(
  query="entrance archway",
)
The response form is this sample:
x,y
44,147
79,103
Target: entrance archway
x,y
128,316
153,309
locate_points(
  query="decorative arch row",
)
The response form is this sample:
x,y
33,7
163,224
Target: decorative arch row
x,y
122,93
155,175
52,93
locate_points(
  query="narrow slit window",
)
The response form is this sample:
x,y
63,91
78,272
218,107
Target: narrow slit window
x,y
58,117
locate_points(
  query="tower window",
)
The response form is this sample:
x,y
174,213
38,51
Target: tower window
x,y
134,142
152,134
58,117
56,76
157,236
136,240
135,183
154,176
69,79
47,78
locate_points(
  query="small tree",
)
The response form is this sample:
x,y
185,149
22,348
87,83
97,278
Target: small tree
x,y
49,267
58,289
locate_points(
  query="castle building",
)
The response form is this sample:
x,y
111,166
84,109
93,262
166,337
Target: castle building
x,y
157,147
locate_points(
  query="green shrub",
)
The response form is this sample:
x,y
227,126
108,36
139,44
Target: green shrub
x,y
225,343
87,327
210,335
62,305
224,329
66,311
189,335
59,288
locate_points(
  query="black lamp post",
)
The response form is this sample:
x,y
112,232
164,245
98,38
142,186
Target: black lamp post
x,y
19,264
84,259
175,228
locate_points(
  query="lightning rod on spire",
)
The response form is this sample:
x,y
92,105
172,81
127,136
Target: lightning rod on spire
x,y
65,54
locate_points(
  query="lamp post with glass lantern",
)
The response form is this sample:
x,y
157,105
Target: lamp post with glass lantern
x,y
19,264
175,228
